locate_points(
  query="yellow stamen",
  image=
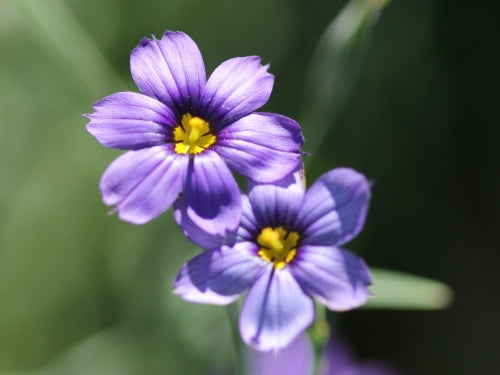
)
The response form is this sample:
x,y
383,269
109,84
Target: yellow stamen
x,y
193,135
278,246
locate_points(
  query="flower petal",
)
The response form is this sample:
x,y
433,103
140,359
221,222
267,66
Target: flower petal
x,y
219,276
264,147
211,194
337,359
278,204
247,231
236,88
171,70
275,311
195,233
335,277
334,208
143,184
131,121
296,359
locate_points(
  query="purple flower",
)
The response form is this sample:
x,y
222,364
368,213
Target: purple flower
x,y
337,359
286,253
185,133
298,359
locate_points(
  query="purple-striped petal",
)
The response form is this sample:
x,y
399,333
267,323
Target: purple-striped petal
x,y
335,277
219,276
212,197
264,147
130,121
171,70
143,184
235,89
275,311
247,231
296,359
334,208
278,204
192,231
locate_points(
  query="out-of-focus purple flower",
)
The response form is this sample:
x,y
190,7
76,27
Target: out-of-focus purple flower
x,y
185,133
337,359
286,253
295,359
298,359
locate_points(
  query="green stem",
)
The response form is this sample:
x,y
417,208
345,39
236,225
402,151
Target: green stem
x,y
319,334
232,314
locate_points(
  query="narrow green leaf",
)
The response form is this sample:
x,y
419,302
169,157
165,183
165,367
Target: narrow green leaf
x,y
398,290
335,66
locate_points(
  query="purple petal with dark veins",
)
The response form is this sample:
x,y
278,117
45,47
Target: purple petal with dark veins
x,y
212,197
334,208
195,233
171,70
278,204
275,311
130,121
335,277
248,228
219,276
264,147
235,89
143,184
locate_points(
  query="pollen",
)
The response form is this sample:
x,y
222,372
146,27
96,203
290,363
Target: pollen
x,y
277,245
193,135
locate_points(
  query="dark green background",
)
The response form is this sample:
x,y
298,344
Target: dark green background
x,y
421,122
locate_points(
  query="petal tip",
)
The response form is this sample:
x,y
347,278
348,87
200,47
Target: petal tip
x,y
132,219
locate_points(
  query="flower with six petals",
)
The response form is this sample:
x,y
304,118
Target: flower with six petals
x,y
185,133
286,252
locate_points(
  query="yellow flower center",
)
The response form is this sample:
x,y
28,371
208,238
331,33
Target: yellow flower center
x,y
193,135
278,246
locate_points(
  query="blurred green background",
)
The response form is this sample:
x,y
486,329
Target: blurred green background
x,y
84,293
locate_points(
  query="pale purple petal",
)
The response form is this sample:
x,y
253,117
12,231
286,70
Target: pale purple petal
x,y
212,197
248,228
143,184
336,357
235,89
334,208
264,147
246,231
275,311
296,359
219,276
171,70
338,360
131,121
194,232
278,204
335,277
